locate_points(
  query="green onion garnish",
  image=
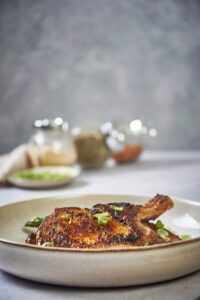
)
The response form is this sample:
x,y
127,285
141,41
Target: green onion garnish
x,y
185,237
163,234
47,244
116,208
159,225
34,222
103,218
161,231
41,175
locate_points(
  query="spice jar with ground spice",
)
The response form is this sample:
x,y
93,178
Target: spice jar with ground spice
x,y
91,147
129,138
52,143
133,136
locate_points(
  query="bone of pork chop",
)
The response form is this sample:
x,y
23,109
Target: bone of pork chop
x,y
75,227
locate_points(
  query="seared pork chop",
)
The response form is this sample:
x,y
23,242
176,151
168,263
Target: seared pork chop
x,y
105,225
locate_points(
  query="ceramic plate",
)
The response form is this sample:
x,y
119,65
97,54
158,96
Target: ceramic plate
x,y
103,267
73,172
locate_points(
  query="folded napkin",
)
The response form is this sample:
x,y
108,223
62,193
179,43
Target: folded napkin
x,y
20,158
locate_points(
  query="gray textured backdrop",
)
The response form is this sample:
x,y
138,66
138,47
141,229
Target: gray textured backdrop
x,y
101,59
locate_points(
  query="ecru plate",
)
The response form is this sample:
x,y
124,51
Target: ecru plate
x,y
73,172
103,267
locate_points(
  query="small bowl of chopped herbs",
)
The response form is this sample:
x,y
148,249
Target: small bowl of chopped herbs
x,y
44,177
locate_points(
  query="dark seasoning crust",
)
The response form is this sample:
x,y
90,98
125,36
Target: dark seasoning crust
x,y
79,228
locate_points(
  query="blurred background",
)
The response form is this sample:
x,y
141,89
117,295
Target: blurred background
x,y
101,60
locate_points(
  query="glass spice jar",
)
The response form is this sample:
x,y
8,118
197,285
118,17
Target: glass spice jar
x,y
53,143
133,135
91,147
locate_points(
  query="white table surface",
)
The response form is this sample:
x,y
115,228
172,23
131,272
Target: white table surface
x,y
172,173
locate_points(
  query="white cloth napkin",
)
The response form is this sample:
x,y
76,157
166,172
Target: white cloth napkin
x,y
20,158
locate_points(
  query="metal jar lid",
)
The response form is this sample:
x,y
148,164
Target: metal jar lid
x,y
57,123
114,139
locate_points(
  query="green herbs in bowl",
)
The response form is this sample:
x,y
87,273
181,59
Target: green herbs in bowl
x,y
41,175
44,177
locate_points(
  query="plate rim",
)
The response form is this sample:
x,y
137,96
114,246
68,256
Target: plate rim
x,y
99,250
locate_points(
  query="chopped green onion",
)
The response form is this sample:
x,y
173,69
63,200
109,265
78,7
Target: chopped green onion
x,y
162,231
116,208
163,234
103,218
34,222
159,225
47,244
66,217
103,221
185,237
41,175
106,214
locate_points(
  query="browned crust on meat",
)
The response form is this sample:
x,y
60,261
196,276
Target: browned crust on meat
x,y
75,227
